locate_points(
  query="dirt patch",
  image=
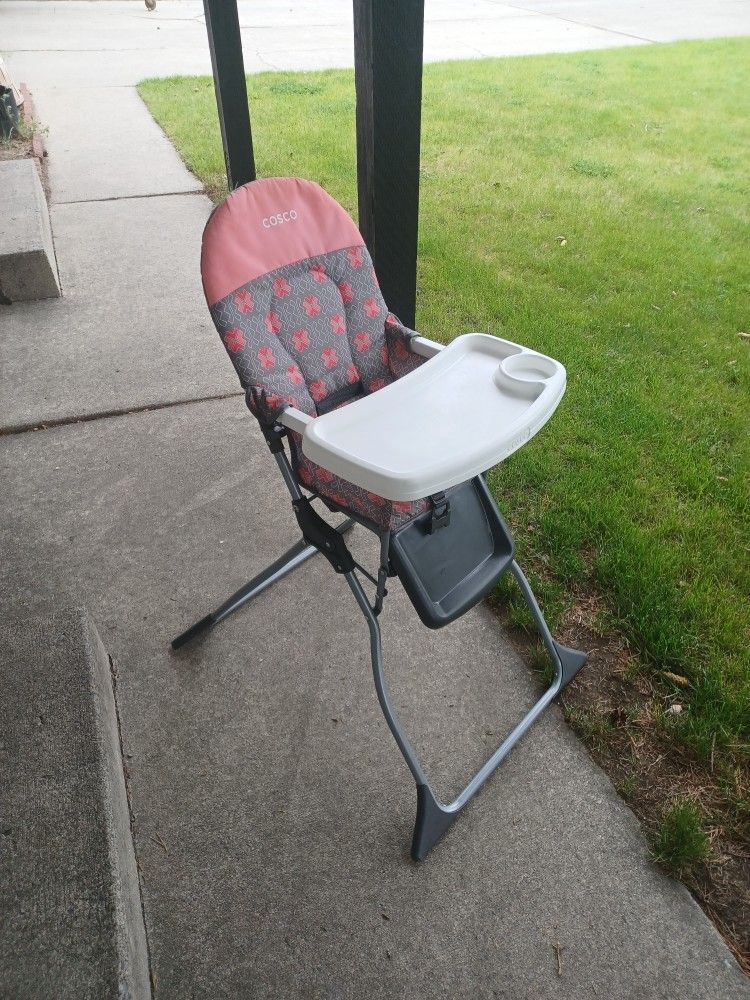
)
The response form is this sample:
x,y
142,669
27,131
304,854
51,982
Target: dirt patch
x,y
15,149
617,708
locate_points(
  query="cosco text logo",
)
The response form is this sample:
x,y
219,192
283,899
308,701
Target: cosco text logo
x,y
279,219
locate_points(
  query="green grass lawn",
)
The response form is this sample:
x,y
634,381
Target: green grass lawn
x,y
594,207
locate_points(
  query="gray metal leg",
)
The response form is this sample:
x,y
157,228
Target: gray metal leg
x,y
300,552
433,817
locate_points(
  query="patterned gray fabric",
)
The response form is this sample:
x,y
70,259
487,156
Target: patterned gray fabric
x,y
306,331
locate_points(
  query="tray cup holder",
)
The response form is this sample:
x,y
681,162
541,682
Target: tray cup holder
x,y
525,373
529,367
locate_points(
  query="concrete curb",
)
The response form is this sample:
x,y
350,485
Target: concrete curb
x,y
70,889
28,269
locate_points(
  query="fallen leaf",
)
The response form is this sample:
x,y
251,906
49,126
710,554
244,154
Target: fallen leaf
x,y
618,717
157,839
558,955
677,679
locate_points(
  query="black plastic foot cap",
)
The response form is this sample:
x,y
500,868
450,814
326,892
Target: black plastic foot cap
x,y
572,660
202,626
433,820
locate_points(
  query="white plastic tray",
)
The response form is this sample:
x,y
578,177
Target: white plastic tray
x,y
467,408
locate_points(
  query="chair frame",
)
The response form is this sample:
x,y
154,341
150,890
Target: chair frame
x,y
433,817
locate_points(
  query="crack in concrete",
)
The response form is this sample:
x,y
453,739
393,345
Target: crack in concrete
x,y
582,24
128,197
86,418
131,816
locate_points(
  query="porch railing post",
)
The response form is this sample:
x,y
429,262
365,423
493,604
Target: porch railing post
x,y
388,42
225,44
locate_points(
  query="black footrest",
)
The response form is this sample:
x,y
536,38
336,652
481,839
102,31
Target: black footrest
x,y
447,571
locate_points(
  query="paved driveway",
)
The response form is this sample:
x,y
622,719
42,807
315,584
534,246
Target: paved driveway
x,y
119,43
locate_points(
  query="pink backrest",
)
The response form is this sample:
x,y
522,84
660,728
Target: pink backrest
x,y
266,225
293,293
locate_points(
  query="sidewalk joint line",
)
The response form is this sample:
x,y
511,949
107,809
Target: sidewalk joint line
x,y
127,197
87,418
581,24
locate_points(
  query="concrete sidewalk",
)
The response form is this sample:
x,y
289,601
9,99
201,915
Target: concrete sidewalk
x,y
272,810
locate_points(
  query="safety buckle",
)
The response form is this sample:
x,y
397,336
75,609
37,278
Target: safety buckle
x,y
441,513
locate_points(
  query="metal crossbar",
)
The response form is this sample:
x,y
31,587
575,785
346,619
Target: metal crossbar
x,y
299,553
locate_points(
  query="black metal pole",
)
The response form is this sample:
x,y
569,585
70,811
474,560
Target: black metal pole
x,y
388,36
225,43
